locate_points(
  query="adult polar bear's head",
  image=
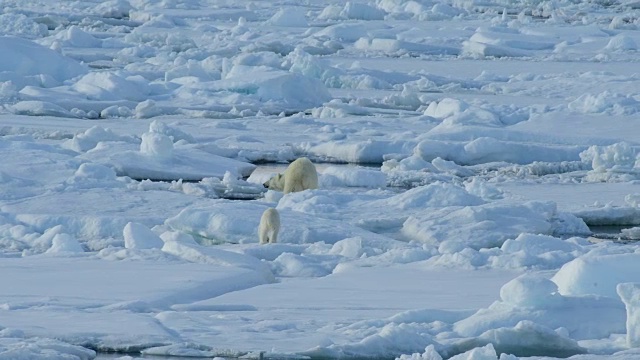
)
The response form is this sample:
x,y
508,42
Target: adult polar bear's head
x,y
275,183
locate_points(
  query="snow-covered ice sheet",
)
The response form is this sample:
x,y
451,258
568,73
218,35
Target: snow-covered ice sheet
x,y
296,315
127,285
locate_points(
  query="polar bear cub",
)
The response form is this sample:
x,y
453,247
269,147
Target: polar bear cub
x,y
269,226
300,175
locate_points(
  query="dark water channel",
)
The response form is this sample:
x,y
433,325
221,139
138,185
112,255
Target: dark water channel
x,y
613,233
272,168
110,356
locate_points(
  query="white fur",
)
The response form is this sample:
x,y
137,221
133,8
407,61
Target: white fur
x,y
300,175
269,226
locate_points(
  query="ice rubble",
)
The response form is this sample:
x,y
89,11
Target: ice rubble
x,y
156,156
536,299
23,69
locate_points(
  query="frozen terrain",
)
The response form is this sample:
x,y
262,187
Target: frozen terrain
x,y
478,168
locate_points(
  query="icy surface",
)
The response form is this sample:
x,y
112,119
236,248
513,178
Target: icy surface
x,y
478,167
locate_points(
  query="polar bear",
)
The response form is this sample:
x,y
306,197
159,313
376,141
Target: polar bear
x,y
300,175
269,226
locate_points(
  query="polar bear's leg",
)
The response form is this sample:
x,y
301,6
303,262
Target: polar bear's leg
x,y
293,186
264,237
263,233
288,187
273,236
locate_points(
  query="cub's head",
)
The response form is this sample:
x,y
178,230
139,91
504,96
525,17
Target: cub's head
x,y
275,183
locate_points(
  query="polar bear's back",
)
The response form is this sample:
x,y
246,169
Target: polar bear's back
x,y
269,226
300,175
270,218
